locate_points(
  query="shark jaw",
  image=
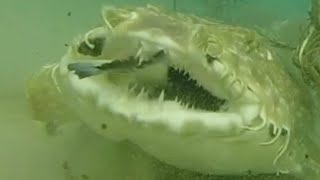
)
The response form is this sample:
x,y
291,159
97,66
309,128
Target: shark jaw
x,y
161,106
182,93
157,92
195,94
160,84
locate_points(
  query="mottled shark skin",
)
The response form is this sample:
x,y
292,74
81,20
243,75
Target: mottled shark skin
x,y
116,77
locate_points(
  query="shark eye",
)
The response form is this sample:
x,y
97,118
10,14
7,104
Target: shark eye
x,y
94,48
210,59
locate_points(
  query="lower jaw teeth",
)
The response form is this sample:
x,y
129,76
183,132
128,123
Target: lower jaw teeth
x,y
161,97
165,94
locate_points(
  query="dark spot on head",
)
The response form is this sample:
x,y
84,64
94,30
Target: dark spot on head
x,y
65,165
271,127
84,176
97,47
284,132
69,13
306,156
104,126
210,59
66,45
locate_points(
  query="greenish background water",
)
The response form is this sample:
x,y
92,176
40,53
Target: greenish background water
x,y
35,32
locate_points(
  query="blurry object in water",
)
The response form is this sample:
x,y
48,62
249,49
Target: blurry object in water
x,y
216,101
68,173
222,8
174,5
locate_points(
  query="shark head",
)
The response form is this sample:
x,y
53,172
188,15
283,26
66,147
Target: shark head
x,y
192,92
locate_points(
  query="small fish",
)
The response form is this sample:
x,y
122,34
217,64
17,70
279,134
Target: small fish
x,y
87,69
84,70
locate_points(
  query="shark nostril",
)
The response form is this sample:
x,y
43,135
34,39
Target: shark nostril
x,y
96,50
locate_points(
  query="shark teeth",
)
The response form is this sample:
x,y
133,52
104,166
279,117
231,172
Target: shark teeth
x,y
161,97
132,88
187,106
178,101
142,94
185,73
140,61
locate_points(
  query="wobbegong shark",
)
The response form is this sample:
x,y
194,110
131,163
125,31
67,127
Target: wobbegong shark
x,y
194,93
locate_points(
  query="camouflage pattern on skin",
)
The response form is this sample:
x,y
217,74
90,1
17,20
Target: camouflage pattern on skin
x,y
261,130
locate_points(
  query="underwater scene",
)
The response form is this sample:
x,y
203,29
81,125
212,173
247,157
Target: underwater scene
x,y
160,90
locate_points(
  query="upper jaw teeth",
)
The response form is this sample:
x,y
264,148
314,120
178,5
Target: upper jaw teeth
x,y
185,72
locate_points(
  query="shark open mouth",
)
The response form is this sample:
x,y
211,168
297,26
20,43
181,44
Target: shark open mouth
x,y
193,93
177,85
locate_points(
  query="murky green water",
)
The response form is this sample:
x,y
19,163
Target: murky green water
x,y
35,32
